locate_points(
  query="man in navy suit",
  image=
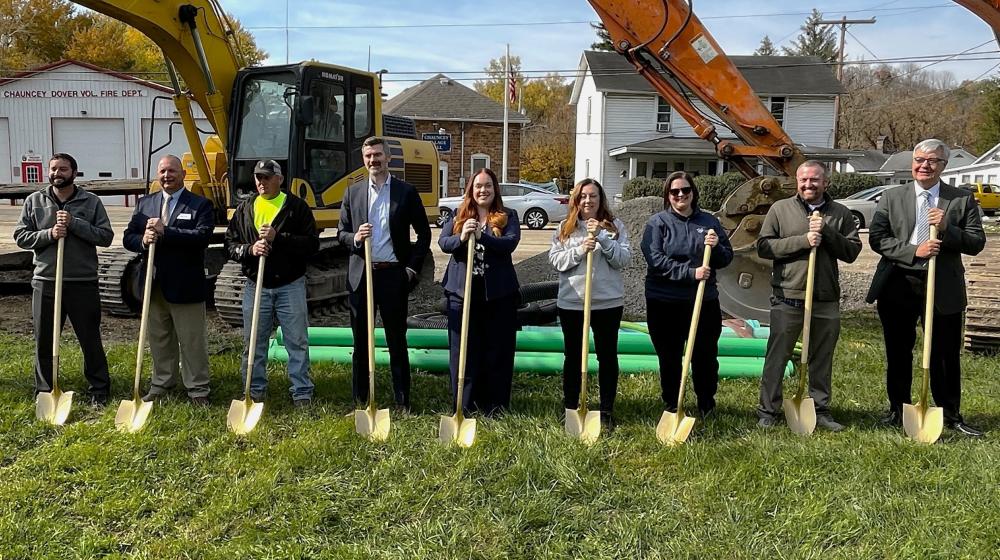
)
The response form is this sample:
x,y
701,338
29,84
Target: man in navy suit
x,y
383,208
180,223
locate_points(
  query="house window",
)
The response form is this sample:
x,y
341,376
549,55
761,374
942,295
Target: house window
x,y
586,168
662,115
777,105
678,166
640,168
979,179
660,169
32,174
479,162
589,102
991,179
965,178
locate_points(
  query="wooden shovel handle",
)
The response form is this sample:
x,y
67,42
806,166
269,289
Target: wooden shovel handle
x,y
252,348
57,313
147,288
929,305
370,314
693,330
585,349
463,340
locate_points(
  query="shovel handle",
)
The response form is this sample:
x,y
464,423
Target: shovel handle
x,y
585,348
147,288
463,341
252,349
57,313
370,313
929,306
693,331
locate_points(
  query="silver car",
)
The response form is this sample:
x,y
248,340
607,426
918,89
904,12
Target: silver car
x,y
862,204
536,207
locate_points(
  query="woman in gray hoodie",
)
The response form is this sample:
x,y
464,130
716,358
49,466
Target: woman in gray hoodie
x,y
590,226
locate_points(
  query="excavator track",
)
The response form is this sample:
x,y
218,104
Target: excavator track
x,y
116,269
982,317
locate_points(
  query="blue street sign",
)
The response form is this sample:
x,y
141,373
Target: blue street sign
x,y
441,141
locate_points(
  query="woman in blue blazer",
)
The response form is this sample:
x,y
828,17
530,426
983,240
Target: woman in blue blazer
x,y
495,293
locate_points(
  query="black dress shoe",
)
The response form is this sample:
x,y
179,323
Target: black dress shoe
x,y
200,401
100,399
608,421
966,430
893,418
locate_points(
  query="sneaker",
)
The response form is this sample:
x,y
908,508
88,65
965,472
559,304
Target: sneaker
x,y
767,422
826,421
302,403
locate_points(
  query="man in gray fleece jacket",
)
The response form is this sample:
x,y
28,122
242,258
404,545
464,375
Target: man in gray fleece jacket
x,y
64,210
788,235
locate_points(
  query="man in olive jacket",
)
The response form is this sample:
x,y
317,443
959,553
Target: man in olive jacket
x,y
787,237
900,232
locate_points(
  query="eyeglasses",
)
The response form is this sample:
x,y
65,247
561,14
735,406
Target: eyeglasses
x,y
932,161
683,191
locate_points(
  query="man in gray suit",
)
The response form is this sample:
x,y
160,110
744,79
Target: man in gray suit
x,y
383,208
900,232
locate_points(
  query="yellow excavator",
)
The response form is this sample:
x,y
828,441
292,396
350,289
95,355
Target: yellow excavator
x,y
310,117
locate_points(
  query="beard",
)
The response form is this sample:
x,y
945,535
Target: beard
x,y
60,183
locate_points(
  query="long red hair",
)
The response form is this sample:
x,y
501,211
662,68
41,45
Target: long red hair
x,y
604,214
469,210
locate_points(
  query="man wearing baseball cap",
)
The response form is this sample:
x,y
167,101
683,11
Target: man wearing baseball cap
x,y
279,225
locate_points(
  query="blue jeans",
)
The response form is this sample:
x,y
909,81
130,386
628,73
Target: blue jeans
x,y
287,304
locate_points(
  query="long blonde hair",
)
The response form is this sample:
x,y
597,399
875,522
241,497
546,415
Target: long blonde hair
x,y
604,214
496,216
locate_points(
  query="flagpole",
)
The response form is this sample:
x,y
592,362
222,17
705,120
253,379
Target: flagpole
x,y
506,102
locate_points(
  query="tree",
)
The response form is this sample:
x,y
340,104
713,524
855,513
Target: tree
x,y
34,32
815,40
766,47
604,38
246,46
495,86
986,125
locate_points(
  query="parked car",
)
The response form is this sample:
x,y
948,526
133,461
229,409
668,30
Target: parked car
x,y
535,206
988,196
862,204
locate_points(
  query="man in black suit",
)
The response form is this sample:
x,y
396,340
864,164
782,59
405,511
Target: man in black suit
x,y
384,209
180,223
899,231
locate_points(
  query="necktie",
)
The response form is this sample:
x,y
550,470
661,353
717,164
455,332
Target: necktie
x,y
923,226
165,210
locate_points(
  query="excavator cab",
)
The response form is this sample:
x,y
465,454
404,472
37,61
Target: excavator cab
x,y
309,117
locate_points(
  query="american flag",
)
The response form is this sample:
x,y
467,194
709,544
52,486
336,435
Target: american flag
x,y
512,87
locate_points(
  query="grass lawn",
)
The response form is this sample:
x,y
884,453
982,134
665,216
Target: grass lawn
x,y
303,485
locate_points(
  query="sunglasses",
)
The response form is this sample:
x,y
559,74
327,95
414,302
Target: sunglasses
x,y
683,191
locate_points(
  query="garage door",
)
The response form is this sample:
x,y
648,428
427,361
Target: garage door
x,y
170,134
5,163
97,144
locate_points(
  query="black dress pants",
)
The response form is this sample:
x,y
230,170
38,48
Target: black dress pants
x,y
605,324
492,337
391,289
900,306
669,321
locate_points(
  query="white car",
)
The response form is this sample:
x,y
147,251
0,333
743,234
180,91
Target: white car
x,y
536,207
862,204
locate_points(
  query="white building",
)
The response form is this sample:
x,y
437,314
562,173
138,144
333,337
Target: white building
x,y
624,129
100,117
984,169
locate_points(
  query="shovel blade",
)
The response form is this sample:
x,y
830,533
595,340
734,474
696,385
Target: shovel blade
x,y
132,415
923,425
800,415
674,428
53,408
374,426
243,416
460,432
586,427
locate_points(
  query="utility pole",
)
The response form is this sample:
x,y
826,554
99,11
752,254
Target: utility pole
x,y
843,22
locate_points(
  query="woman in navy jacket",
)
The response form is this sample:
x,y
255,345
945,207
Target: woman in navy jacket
x,y
674,246
495,293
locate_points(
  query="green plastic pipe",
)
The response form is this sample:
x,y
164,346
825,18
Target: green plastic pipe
x,y
527,341
436,360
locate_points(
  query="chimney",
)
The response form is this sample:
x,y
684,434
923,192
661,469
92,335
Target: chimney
x,y
883,144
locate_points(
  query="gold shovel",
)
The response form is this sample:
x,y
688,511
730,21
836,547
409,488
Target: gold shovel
x,y
923,422
580,422
244,414
132,414
800,411
674,427
371,422
53,407
458,429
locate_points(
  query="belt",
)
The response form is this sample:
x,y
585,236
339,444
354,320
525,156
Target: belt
x,y
796,303
382,265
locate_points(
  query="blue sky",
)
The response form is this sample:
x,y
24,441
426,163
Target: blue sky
x,y
905,28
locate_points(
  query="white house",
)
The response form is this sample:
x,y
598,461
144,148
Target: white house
x,y
101,117
984,169
624,129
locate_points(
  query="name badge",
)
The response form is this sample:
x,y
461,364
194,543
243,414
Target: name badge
x,y
184,216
